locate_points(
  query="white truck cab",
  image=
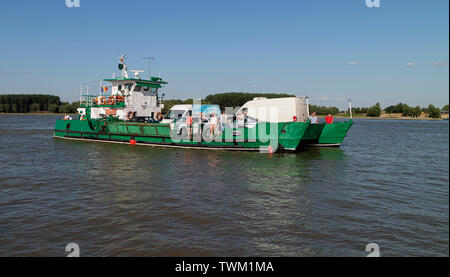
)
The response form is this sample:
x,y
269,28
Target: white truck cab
x,y
181,111
175,112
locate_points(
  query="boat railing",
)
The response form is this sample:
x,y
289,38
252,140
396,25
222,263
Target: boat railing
x,y
88,99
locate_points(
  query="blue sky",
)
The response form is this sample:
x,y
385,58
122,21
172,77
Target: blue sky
x,y
329,50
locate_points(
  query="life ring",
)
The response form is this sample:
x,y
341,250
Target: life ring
x,y
119,98
101,100
158,116
111,100
130,115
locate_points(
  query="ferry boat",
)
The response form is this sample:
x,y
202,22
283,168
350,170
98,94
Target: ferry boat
x,y
131,113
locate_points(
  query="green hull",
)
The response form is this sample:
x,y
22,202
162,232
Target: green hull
x,y
326,134
264,136
281,136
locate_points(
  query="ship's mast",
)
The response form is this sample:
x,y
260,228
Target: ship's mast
x,y
123,67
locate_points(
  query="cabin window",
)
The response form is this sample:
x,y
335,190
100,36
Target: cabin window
x,y
137,88
129,86
173,114
146,89
119,87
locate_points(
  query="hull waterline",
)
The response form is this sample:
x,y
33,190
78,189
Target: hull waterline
x,y
281,137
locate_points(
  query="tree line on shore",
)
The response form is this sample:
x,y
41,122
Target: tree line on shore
x,y
401,108
405,110
25,103
237,99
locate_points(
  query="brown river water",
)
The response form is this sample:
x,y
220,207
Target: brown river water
x,y
387,184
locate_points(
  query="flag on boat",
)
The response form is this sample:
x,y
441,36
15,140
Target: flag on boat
x,y
104,89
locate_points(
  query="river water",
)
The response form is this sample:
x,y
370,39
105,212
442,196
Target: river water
x,y
387,184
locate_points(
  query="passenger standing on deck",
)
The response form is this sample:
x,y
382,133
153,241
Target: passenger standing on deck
x,y
213,123
240,119
67,117
223,120
189,122
313,118
329,119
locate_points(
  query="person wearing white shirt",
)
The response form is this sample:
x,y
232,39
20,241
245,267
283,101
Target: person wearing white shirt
x,y
213,123
313,118
240,119
223,120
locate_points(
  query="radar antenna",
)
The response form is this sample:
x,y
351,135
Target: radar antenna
x,y
136,73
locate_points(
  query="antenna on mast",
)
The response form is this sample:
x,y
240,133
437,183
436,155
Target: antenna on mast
x,y
136,73
149,59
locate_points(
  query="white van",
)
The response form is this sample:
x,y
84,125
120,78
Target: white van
x,y
175,112
181,111
286,109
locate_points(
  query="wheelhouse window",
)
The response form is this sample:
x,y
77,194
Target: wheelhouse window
x,y
128,86
138,88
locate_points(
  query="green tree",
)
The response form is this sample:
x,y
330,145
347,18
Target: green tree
x,y
445,108
14,108
321,110
407,111
6,108
74,106
434,112
360,110
375,110
416,111
237,99
53,108
64,108
23,102
35,107
399,108
412,111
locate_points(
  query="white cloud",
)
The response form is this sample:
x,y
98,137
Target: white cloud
x,y
352,63
411,64
441,64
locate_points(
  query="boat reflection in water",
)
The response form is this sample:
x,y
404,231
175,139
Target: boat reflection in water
x,y
177,197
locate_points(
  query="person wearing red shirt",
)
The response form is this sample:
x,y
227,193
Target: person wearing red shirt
x,y
189,123
329,119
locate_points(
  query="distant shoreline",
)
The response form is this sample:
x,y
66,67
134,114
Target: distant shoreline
x,y
42,113
340,116
389,118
